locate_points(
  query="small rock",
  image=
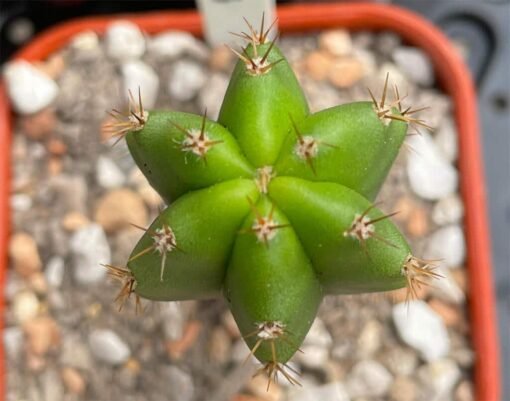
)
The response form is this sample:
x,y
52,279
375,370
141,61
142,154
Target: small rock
x,y
37,283
337,42
400,361
439,379
29,89
449,210
221,59
318,64
421,328
21,202
418,224
108,174
56,147
173,320
54,271
446,139
73,221
55,166
327,392
430,175
387,42
258,387
124,41
90,248
119,209
451,316
403,389
73,381
346,72
180,382
13,341
42,334
25,306
177,348
219,346
186,80
108,347
39,125
369,340
240,352
415,64
53,66
75,353
448,245
211,95
52,387
24,254
70,193
85,46
174,44
230,324
368,378
363,39
316,346
139,76
464,392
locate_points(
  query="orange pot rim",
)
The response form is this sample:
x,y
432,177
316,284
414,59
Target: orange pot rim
x,y
452,75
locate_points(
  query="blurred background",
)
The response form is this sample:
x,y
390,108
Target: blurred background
x,y
480,28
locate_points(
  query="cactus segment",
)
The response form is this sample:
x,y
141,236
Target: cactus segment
x,y
347,144
179,152
260,125
190,263
271,288
353,247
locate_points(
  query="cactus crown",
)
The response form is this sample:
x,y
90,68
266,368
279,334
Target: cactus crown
x,y
271,206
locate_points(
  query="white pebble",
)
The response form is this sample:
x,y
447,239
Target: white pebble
x,y
86,46
421,328
448,210
337,42
21,202
13,341
25,306
174,44
186,80
54,271
431,176
447,244
447,289
108,174
415,64
124,41
211,95
90,248
108,347
439,379
368,378
29,89
316,346
446,139
139,76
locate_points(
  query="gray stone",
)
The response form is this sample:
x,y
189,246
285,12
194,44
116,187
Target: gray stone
x,y
108,174
54,271
368,378
175,44
180,382
90,247
421,328
327,392
439,379
186,79
448,245
52,386
29,89
138,76
448,210
415,64
431,176
108,347
124,41
400,361
316,346
173,320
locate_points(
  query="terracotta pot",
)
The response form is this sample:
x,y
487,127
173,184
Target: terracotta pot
x,y
454,79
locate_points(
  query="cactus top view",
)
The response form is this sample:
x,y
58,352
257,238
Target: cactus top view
x,y
271,206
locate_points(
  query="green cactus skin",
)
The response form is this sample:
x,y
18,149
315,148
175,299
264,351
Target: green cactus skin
x,y
271,206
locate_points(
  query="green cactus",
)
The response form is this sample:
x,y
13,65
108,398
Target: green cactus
x,y
270,206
